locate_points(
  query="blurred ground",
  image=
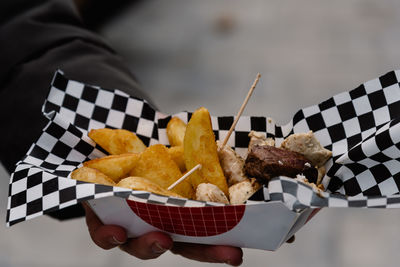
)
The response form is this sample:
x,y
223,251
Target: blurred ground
x,y
206,53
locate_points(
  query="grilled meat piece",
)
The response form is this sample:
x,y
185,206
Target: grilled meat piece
x,y
266,162
210,192
259,139
232,164
308,145
239,193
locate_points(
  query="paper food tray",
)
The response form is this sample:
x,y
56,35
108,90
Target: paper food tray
x,y
360,127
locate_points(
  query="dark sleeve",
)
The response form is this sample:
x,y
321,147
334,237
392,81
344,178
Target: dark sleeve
x,y
37,37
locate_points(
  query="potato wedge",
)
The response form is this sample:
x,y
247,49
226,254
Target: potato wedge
x,y
117,141
176,131
115,166
92,176
200,147
176,153
143,184
156,164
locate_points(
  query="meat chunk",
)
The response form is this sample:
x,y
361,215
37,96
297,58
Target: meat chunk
x,y
239,193
232,164
259,139
309,146
266,162
210,192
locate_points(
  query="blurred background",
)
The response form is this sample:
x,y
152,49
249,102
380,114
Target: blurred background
x,y
189,53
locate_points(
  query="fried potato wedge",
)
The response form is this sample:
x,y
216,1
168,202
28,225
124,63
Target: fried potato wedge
x,y
92,176
115,166
117,141
176,153
176,131
200,147
143,184
156,164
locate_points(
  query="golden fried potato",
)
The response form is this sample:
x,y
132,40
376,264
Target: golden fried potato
x,y
156,164
200,147
143,184
117,141
92,176
115,166
176,153
176,131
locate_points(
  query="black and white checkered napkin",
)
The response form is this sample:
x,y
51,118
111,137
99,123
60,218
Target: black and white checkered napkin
x,y
360,127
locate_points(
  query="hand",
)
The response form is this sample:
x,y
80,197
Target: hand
x,y
154,244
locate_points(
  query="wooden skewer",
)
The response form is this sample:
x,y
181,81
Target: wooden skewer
x,y
240,111
184,176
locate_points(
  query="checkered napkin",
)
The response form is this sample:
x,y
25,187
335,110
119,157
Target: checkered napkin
x,y
362,129
359,126
41,184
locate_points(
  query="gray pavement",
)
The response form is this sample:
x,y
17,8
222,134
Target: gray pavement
x,y
206,53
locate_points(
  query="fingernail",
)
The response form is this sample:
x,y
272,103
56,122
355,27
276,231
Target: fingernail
x,y
157,248
115,241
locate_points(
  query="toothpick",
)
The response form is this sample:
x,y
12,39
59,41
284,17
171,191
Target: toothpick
x,y
184,176
240,111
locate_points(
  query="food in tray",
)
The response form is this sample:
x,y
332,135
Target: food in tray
x,y
176,130
266,162
307,145
117,141
157,165
240,192
259,139
92,176
210,192
224,176
141,183
300,156
115,167
200,147
176,153
232,164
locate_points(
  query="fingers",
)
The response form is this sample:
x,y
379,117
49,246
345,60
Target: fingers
x,y
105,236
148,246
206,253
152,245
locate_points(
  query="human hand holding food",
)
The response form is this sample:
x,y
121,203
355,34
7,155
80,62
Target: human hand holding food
x,y
224,177
154,244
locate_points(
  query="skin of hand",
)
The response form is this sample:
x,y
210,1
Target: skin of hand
x,y
154,244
